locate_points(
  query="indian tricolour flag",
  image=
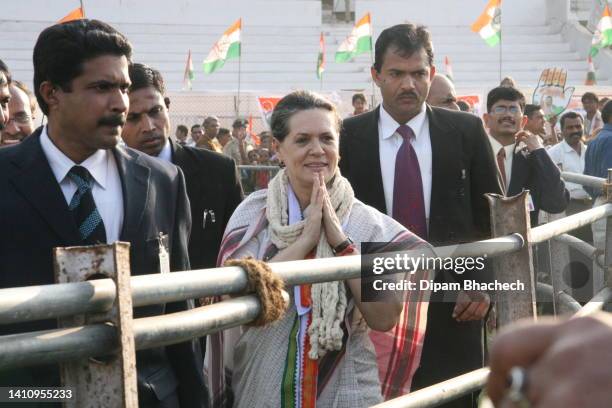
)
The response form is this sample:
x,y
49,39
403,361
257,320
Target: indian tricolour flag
x,y
188,76
603,34
488,24
226,48
359,41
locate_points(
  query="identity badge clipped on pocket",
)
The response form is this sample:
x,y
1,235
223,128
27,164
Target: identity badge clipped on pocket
x,y
164,255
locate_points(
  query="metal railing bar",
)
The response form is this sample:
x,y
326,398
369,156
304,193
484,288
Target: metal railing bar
x,y
440,393
58,300
596,303
583,179
54,346
583,247
569,304
563,225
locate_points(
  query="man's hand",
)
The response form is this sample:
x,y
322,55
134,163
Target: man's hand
x,y
567,364
532,141
471,305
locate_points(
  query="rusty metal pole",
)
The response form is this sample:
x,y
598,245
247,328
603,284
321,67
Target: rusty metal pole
x,y
559,260
511,215
107,381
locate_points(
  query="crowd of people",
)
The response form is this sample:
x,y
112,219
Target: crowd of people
x,y
410,173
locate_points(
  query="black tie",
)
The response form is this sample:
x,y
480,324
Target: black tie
x,y
83,208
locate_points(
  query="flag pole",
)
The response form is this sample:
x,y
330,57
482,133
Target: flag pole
x,y
372,79
501,40
239,72
82,8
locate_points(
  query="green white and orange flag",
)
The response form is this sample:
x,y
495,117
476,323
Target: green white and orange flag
x,y
76,14
591,78
321,59
488,24
358,42
227,47
188,77
603,34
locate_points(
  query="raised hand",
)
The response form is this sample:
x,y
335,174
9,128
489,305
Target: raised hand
x,y
551,93
331,223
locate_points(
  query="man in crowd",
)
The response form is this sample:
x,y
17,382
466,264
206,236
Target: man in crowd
x,y
71,183
523,163
535,123
208,140
21,114
182,136
428,168
233,146
598,160
196,133
442,93
213,187
360,104
5,94
593,121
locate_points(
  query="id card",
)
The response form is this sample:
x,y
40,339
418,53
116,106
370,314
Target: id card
x,y
164,256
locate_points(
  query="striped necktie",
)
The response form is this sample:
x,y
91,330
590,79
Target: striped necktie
x,y
83,208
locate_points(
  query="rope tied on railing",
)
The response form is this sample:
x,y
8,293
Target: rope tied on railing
x,y
268,287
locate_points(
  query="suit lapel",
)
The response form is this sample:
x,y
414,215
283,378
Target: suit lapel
x,y
135,187
517,174
36,182
369,163
181,159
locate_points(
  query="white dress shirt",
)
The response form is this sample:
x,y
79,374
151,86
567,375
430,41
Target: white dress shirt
x,y
106,189
389,143
166,152
567,159
495,146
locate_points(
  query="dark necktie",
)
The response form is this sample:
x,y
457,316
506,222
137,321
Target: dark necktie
x,y
501,163
408,201
83,208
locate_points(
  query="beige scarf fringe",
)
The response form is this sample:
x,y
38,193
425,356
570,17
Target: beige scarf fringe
x,y
328,298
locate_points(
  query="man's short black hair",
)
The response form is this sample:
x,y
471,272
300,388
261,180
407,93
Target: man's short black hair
x,y
589,96
569,115
61,50
197,125
359,97
182,129
504,93
240,123
530,109
407,39
143,76
223,131
606,112
4,69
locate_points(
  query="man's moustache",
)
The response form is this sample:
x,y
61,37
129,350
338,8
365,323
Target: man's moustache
x,y
112,121
576,134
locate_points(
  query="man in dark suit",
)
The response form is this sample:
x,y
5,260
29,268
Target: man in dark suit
x,y
70,184
435,187
213,185
522,161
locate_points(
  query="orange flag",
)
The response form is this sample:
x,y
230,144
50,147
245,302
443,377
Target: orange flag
x,y
254,137
76,14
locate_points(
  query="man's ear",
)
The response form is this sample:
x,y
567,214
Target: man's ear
x,y
432,72
375,75
485,118
49,93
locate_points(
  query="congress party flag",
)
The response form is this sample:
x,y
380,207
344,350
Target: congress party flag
x,y
321,59
188,77
227,47
488,24
76,14
603,34
358,42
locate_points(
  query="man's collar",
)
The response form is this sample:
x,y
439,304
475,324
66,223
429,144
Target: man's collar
x,y
389,125
166,152
568,149
96,164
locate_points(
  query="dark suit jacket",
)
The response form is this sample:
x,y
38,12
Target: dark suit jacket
x,y
214,191
34,218
538,174
462,172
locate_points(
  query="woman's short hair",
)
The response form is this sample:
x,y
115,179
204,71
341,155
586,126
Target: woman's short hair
x,y
295,102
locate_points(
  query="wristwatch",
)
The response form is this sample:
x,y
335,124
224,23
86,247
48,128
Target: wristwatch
x,y
342,246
